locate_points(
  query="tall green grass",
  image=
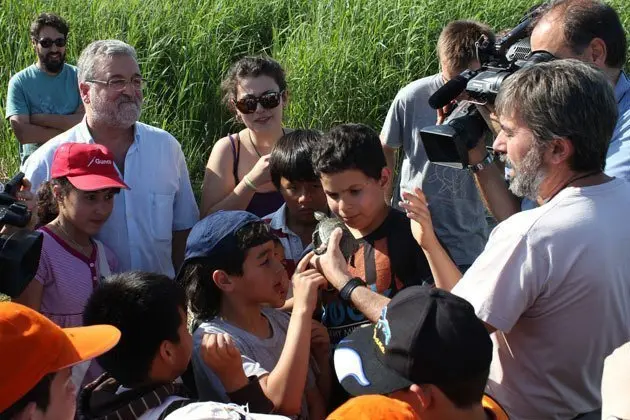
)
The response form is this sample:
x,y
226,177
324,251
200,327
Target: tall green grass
x,y
345,59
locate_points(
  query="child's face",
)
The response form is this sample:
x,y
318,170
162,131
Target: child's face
x,y
88,210
356,198
264,279
278,250
303,198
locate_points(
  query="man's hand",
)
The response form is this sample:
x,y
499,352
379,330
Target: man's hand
x,y
443,112
332,264
221,355
417,209
489,115
306,283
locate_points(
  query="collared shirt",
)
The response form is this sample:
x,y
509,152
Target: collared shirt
x,y
618,157
160,199
292,244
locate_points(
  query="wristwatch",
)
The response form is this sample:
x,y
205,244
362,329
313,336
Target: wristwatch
x,y
349,287
487,161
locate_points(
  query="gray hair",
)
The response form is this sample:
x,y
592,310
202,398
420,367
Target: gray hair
x,y
564,98
92,54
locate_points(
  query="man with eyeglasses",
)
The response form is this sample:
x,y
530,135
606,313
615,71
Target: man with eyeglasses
x,y
149,224
43,99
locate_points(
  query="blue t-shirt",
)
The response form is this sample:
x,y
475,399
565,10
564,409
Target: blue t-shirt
x,y
618,157
33,91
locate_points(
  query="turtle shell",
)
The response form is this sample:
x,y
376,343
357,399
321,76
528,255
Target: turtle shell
x,y
326,225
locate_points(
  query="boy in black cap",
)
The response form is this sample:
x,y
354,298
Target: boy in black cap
x,y
234,281
428,349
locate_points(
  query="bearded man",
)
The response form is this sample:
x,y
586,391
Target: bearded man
x,y
148,227
43,99
553,283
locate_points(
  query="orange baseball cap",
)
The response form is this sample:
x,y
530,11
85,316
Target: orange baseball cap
x,y
374,407
32,346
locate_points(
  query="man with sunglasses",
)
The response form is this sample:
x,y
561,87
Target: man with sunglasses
x,y
43,99
149,224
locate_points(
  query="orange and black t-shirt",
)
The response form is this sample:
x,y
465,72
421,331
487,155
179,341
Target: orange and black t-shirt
x,y
388,260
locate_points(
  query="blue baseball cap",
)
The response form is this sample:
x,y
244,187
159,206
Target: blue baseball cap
x,y
215,234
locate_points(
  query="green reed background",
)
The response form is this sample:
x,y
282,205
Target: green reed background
x,y
345,59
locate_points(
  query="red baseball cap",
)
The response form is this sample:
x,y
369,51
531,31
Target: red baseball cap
x,y
89,167
32,346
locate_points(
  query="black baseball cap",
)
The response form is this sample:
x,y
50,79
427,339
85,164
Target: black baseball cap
x,y
424,336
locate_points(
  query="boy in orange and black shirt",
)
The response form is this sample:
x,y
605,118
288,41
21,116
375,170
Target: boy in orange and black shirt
x,y
352,169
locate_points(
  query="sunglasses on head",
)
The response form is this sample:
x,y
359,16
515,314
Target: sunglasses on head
x,y
267,100
48,42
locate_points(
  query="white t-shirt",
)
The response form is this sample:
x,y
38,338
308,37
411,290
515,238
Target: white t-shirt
x,y
259,355
555,282
207,410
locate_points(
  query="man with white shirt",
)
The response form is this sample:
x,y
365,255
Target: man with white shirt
x,y
150,222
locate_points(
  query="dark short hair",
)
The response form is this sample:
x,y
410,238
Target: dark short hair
x,y
49,19
251,66
291,157
145,307
203,294
456,44
564,98
465,392
349,146
583,20
39,394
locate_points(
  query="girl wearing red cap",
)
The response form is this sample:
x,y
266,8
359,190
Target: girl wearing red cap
x,y
72,208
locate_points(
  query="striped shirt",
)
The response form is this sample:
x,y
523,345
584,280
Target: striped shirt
x,y
68,278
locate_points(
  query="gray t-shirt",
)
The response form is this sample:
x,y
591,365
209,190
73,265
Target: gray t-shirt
x,y
457,211
259,355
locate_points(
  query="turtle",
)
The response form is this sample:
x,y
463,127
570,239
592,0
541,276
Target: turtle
x,y
325,226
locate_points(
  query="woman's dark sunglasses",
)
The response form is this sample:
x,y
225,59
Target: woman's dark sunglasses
x,y
47,42
268,100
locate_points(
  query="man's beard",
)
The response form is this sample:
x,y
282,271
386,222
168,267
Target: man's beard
x,y
52,65
123,113
528,175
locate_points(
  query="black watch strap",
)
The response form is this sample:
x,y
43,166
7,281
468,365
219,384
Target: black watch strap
x,y
349,287
487,161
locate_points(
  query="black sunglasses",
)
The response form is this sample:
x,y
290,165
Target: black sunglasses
x,y
268,100
47,42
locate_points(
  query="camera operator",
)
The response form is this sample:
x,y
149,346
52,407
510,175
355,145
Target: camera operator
x,y
553,283
587,30
458,209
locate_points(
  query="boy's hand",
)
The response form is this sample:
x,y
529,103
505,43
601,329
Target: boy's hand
x,y
306,282
417,209
332,264
221,355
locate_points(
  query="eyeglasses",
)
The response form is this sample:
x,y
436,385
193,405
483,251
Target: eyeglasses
x,y
267,100
48,42
120,84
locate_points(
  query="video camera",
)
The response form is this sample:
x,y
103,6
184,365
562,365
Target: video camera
x,y
20,250
448,144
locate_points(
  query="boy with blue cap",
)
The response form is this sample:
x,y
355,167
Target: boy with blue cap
x,y
234,281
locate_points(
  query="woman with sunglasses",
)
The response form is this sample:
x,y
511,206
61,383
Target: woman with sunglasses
x,y
237,174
